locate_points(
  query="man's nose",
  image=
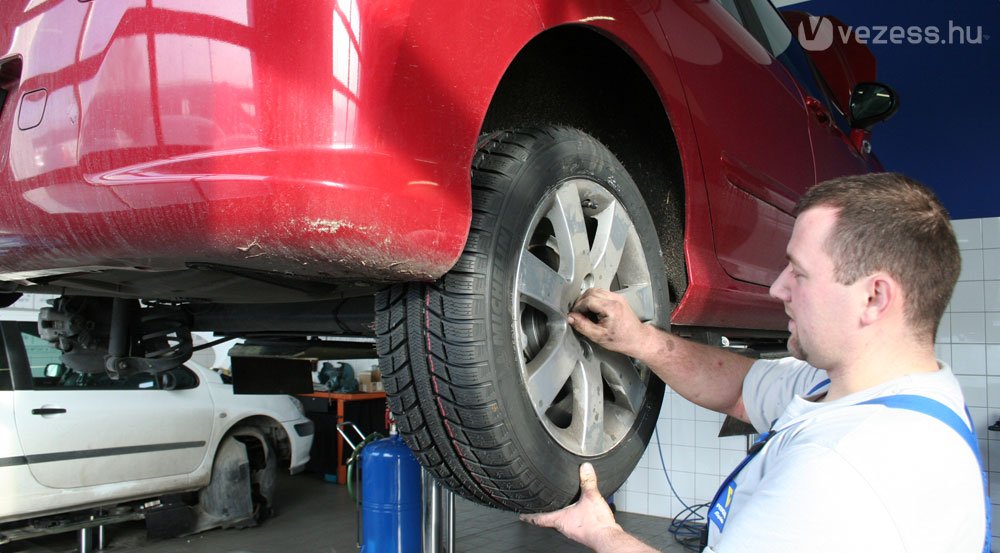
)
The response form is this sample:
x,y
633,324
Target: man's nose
x,y
778,289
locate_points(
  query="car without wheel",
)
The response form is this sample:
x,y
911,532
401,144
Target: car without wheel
x,y
441,178
85,448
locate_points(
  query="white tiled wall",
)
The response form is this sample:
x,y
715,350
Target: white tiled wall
x,y
968,339
695,457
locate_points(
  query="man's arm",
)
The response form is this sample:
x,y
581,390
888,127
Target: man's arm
x,y
589,521
705,375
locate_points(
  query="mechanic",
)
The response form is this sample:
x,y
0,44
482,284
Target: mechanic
x,y
865,440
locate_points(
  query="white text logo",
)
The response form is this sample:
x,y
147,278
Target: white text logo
x,y
818,33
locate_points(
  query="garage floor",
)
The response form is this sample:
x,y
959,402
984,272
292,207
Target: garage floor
x,y
317,517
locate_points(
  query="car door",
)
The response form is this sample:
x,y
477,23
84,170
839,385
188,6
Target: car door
x,y
10,452
834,152
752,129
80,430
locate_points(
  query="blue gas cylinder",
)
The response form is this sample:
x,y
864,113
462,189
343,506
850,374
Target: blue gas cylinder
x,y
390,498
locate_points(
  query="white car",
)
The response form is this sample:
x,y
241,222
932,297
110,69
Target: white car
x,y
72,442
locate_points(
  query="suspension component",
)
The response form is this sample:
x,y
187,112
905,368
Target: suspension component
x,y
119,337
78,327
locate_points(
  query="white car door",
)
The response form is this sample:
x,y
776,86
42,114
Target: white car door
x,y
81,430
10,452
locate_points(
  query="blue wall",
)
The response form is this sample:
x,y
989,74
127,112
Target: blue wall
x,y
947,130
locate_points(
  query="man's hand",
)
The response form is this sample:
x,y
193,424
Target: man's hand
x,y
706,375
588,521
614,325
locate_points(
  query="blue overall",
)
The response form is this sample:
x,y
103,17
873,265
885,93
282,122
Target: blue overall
x,y
719,509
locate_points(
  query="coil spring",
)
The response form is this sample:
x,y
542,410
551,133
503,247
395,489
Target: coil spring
x,y
166,335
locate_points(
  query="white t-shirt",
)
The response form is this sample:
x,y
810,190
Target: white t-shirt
x,y
840,477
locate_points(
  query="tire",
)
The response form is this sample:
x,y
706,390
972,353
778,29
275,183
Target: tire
x,y
487,382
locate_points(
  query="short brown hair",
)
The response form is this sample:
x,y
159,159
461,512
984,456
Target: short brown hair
x,y
892,223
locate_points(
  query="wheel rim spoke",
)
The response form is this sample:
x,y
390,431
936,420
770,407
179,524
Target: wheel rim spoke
x,y
617,421
640,299
613,229
541,286
623,378
588,409
571,232
552,367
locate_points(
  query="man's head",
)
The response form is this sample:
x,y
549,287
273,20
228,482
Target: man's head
x,y
887,222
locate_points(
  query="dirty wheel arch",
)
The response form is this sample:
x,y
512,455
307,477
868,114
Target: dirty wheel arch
x,y
241,491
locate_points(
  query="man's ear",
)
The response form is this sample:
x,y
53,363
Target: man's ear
x,y
883,294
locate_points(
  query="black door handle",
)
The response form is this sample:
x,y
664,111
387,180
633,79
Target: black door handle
x,y
47,411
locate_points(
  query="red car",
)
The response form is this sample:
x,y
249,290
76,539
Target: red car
x,y
445,176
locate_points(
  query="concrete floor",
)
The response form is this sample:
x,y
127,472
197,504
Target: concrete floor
x,y
318,517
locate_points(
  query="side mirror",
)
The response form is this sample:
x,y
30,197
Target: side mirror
x,y
53,370
872,103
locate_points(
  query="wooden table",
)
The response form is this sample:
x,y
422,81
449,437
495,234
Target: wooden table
x,y
341,400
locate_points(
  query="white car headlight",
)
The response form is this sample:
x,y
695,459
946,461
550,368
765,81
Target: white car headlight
x,y
298,405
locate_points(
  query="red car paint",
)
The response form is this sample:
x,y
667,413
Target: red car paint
x,y
333,138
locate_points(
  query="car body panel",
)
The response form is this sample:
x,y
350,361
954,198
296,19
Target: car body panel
x,y
233,410
330,141
24,497
172,185
719,52
108,436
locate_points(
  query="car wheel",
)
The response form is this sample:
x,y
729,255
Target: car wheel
x,y
263,474
241,491
495,393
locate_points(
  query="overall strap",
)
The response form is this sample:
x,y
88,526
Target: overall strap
x,y
718,509
934,409
944,414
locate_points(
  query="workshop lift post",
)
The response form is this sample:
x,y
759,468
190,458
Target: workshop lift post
x,y
438,515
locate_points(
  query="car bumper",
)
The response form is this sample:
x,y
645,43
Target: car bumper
x,y
300,437
304,162
332,214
